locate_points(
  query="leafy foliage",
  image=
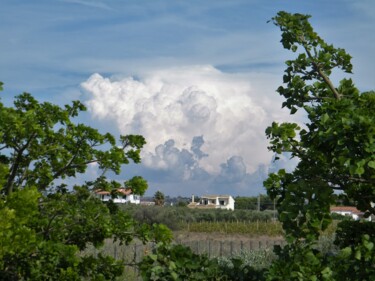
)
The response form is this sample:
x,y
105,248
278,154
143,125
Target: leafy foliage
x,y
176,262
336,152
44,227
42,236
258,259
138,185
41,144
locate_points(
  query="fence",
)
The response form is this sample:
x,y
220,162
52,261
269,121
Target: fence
x,y
227,248
130,254
134,253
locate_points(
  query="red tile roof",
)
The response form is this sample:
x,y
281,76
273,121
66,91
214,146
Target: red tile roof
x,y
123,191
351,209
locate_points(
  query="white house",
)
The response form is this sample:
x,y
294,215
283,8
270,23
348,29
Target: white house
x,y
124,195
352,212
225,202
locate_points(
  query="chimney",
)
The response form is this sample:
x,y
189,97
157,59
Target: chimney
x,y
192,198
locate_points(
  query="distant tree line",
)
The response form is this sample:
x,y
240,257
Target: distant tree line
x,y
264,202
260,203
176,217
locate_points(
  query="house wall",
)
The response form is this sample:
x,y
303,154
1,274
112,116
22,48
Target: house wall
x,y
231,203
134,199
349,214
212,202
225,203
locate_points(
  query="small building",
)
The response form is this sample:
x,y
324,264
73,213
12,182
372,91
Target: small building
x,y
225,202
123,195
349,211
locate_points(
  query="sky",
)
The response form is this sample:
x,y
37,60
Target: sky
x,y
196,78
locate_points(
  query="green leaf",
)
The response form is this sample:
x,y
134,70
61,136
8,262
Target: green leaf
x,y
153,257
327,273
371,164
358,254
359,170
325,118
174,275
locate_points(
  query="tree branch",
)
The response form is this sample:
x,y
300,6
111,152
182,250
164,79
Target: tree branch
x,y
16,164
323,75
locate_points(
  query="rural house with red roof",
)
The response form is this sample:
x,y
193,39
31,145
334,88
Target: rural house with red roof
x,y
350,211
121,196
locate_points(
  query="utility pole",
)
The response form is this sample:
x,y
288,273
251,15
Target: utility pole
x,y
259,203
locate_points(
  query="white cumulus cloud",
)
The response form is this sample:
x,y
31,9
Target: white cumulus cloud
x,y
207,115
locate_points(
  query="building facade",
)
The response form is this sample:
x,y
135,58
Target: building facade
x,y
121,196
225,202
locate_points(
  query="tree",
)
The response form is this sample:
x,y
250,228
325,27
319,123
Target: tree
x,y
138,185
246,203
336,152
159,198
263,202
45,227
42,144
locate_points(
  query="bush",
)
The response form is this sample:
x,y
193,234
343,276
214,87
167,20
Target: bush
x,y
258,259
177,262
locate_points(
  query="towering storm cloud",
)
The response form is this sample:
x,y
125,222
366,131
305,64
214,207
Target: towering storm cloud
x,y
196,119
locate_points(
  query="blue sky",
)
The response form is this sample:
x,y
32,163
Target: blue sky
x,y
196,78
